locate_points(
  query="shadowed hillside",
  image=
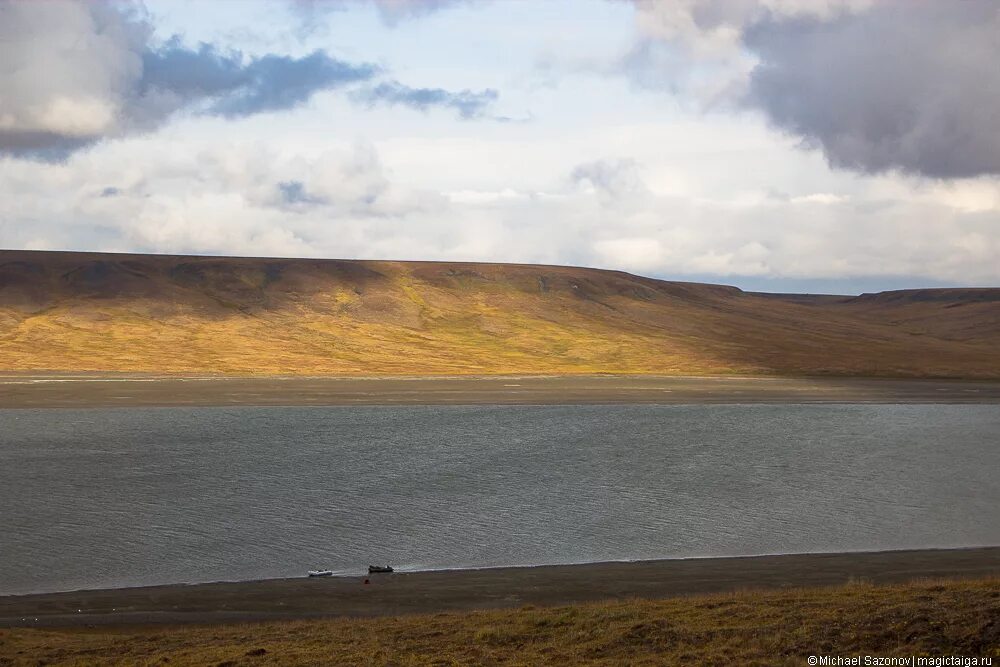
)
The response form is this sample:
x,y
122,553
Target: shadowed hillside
x,y
105,312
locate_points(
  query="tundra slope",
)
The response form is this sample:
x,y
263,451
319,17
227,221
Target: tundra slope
x,y
181,314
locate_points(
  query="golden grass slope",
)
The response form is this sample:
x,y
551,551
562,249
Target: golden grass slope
x,y
148,313
924,618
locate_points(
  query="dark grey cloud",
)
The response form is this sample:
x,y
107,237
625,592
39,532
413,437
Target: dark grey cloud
x,y
880,85
469,104
912,86
44,146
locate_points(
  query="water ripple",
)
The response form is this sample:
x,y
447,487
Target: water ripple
x,y
106,497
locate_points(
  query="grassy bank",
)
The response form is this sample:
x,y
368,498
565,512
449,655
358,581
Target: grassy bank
x,y
929,617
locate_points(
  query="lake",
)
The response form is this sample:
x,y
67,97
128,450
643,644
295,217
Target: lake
x,y
95,498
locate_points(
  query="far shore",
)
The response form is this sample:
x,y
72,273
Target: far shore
x,y
464,590
85,390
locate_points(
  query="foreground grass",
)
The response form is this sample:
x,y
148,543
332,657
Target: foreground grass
x,y
930,618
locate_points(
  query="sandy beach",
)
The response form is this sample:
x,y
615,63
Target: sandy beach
x,y
22,390
463,590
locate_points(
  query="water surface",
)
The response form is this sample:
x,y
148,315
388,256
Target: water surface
x,y
104,497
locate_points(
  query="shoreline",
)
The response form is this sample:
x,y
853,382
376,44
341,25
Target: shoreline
x,y
437,591
88,390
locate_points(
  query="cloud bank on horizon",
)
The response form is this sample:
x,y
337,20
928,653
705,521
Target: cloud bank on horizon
x,y
768,143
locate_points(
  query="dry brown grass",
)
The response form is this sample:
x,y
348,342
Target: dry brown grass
x,y
86,312
924,618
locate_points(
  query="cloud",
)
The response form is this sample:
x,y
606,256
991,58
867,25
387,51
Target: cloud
x,y
613,180
235,86
66,69
876,86
714,28
273,83
293,193
75,72
336,185
695,50
218,196
469,104
908,86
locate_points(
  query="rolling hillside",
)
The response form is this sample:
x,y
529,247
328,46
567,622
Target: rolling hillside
x,y
152,313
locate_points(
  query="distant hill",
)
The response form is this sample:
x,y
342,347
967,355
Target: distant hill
x,y
118,312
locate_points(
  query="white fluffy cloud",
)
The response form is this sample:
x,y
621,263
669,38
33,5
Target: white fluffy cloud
x,y
249,199
253,199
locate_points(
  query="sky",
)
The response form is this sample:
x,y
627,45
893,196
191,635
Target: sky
x,y
836,146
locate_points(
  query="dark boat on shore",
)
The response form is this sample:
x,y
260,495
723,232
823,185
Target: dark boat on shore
x,y
375,569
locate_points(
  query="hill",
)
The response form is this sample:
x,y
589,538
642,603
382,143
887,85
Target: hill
x,y
157,313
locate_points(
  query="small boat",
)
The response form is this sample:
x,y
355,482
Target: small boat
x,y
320,573
375,569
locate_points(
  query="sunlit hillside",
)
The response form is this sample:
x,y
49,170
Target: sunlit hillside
x,y
90,312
